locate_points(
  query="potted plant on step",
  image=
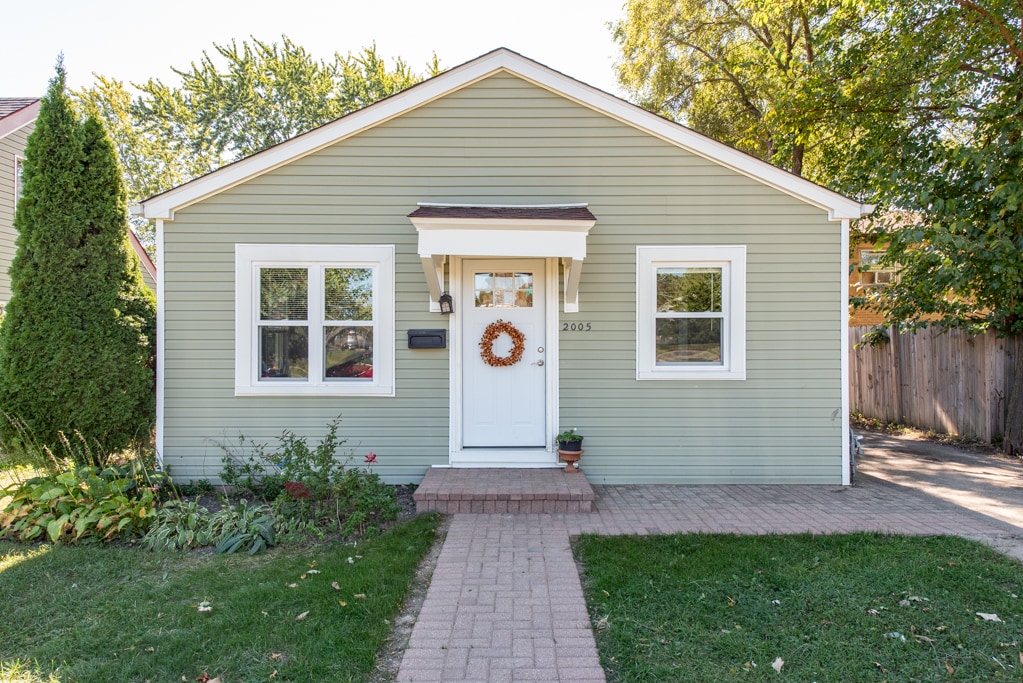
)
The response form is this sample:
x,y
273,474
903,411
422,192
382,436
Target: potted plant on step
x,y
569,440
570,448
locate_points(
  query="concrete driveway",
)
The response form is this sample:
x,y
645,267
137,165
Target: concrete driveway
x,y
984,483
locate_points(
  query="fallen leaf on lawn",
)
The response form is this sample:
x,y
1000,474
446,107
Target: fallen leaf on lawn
x,y
873,612
1021,657
203,678
731,601
273,674
312,564
292,585
904,603
778,664
359,596
302,578
335,585
351,561
342,603
895,635
205,606
988,617
880,666
948,668
276,656
302,616
924,639
313,571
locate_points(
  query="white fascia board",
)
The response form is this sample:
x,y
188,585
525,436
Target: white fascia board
x,y
502,237
19,119
837,206
164,205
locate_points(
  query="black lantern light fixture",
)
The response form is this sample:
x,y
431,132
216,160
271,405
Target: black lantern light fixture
x,y
446,305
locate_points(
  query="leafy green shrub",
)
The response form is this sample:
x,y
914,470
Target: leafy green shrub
x,y
312,487
79,504
178,525
240,527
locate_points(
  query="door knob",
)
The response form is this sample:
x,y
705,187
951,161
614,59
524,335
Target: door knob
x,y
539,363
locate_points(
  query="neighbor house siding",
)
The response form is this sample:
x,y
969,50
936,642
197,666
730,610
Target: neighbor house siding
x,y
11,146
505,141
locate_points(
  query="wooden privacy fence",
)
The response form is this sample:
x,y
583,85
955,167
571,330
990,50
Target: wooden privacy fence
x,y
946,381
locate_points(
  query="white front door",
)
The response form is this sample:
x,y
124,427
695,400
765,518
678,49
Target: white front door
x,y
504,406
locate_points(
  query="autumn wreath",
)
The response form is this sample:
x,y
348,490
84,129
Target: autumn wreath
x,y
495,330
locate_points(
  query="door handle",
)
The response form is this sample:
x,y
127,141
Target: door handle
x,y
539,363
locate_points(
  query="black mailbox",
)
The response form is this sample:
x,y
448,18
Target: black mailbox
x,y
428,339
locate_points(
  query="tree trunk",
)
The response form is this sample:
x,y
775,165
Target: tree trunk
x,y
797,159
1013,437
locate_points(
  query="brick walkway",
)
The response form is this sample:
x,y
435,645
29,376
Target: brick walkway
x,y
506,604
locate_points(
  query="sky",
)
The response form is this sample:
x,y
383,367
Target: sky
x,y
134,40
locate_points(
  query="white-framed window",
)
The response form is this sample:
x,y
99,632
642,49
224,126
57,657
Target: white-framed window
x,y
691,312
314,319
19,175
872,272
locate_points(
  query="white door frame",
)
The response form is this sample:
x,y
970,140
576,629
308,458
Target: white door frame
x,y
545,456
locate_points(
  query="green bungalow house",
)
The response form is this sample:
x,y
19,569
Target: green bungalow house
x,y
681,304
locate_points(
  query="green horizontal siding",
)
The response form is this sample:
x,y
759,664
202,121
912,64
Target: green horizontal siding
x,y
11,146
505,141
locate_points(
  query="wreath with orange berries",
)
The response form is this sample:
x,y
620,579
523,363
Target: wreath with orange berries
x,y
490,335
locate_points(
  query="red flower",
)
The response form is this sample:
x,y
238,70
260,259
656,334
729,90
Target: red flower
x,y
298,490
372,457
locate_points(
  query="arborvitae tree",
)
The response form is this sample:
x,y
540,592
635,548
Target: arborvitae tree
x,y
78,339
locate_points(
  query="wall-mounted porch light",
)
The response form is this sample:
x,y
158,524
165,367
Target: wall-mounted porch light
x,y
447,307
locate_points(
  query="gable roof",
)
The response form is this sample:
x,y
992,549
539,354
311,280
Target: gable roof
x,y
163,206
17,112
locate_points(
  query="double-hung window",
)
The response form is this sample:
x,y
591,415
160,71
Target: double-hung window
x,y
691,312
314,319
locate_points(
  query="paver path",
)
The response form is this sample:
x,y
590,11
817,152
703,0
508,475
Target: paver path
x,y
506,603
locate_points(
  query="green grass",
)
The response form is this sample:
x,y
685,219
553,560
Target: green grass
x,y
77,614
704,607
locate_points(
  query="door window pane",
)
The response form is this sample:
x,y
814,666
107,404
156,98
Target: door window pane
x,y
283,294
348,294
503,290
688,290
348,352
283,352
688,340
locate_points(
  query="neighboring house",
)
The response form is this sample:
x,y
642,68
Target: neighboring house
x,y
680,303
866,272
17,121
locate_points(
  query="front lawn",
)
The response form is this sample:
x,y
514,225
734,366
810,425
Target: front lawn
x,y
314,613
856,607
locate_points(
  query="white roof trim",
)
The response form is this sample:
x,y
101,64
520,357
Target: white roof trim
x,y
19,119
164,205
452,205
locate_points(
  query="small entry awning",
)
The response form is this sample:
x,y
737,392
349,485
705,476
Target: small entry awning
x,y
548,231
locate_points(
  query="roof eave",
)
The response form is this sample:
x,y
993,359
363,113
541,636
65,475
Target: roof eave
x,y
838,206
19,119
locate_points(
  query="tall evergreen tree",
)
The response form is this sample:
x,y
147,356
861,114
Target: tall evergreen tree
x,y
77,342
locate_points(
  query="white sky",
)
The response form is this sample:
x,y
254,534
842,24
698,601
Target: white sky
x,y
133,40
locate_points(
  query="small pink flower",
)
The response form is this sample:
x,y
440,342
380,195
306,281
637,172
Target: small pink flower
x,y
372,457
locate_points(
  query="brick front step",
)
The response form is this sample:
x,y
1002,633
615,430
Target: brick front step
x,y
500,490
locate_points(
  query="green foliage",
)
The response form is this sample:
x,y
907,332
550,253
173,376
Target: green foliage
x,y
241,527
747,73
82,503
78,335
236,100
312,487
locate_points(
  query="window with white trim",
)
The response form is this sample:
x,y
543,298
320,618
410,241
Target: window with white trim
x,y
314,319
19,177
691,312
873,273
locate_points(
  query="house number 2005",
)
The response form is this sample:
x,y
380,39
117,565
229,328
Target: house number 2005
x,y
576,327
